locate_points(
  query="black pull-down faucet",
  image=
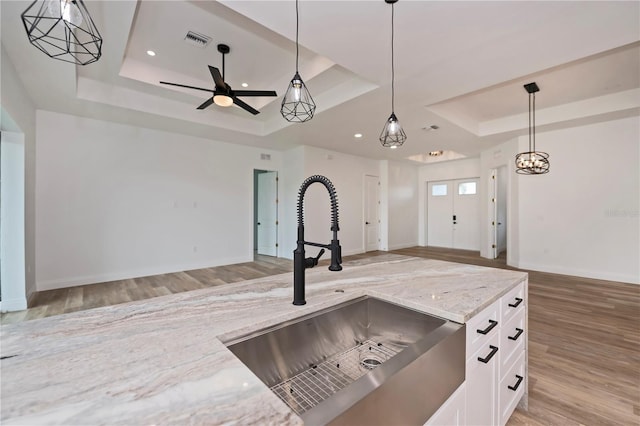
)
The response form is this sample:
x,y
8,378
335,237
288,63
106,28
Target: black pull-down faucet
x,y
300,263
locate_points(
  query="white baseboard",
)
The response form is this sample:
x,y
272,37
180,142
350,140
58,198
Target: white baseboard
x,y
43,285
403,246
13,305
598,275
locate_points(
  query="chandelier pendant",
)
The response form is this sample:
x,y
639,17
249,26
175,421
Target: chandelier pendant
x,y
532,162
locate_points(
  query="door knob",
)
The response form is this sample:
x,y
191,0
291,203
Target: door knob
x,y
367,223
258,223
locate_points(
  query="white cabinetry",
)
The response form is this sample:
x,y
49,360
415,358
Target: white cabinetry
x,y
496,357
513,343
452,412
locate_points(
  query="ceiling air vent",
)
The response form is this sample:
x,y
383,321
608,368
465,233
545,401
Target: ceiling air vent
x,y
196,39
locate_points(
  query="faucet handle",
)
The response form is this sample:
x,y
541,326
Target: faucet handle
x,y
310,262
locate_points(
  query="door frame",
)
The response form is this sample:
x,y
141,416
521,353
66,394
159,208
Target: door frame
x,y
12,224
493,212
426,204
364,212
509,176
256,189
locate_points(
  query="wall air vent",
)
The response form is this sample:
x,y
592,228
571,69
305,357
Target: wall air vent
x,y
197,39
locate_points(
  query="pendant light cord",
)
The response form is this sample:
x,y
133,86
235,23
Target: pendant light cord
x,y
533,131
393,74
532,98
297,52
529,122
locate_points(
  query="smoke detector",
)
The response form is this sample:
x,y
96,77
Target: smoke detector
x,y
432,127
196,39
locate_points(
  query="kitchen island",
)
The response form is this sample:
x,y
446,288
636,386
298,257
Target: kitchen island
x,y
162,360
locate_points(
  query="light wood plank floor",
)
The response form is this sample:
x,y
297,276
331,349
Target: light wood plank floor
x,y
584,334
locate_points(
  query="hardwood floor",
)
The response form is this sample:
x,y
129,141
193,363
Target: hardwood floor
x,y
60,301
584,334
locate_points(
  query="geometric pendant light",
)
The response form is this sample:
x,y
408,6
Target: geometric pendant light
x,y
297,105
392,135
64,30
532,162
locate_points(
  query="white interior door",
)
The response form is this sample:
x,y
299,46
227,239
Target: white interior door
x,y
453,214
440,214
267,226
466,214
501,209
372,212
493,211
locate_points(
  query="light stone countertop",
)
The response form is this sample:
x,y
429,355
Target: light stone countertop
x,y
161,361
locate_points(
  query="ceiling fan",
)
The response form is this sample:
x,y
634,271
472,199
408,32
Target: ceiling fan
x,y
223,94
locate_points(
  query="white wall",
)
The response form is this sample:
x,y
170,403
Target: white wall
x,y
12,253
583,217
447,170
117,201
289,184
403,205
346,172
16,103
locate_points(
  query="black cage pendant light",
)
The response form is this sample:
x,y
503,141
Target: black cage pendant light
x,y
64,30
532,162
297,104
392,135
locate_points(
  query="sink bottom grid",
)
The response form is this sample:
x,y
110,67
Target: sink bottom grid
x,y
312,386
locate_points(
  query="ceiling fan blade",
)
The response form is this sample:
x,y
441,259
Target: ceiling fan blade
x,y
244,106
217,77
188,87
206,103
255,93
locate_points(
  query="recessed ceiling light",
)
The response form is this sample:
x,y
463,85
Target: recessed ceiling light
x,y
151,53
245,84
357,135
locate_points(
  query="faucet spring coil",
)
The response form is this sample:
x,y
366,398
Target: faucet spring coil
x,y
332,194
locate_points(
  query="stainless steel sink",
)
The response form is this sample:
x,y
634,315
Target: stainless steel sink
x,y
366,361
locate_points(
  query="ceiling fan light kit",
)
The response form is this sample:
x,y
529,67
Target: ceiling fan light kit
x,y
63,30
532,162
392,135
297,105
223,95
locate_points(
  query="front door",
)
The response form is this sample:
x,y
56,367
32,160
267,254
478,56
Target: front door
x,y
453,214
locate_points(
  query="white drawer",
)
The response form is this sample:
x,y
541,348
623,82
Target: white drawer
x,y
512,303
513,334
512,388
482,327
